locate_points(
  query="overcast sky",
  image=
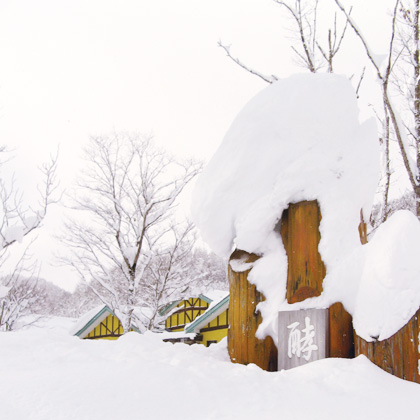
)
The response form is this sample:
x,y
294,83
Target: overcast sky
x,y
71,69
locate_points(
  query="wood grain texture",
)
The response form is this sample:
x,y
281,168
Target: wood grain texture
x,y
341,340
399,354
300,233
299,230
244,320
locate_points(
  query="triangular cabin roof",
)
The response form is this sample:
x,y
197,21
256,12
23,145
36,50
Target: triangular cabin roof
x,y
171,305
92,319
215,309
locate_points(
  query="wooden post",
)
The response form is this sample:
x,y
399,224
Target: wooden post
x,y
341,332
244,320
300,233
299,229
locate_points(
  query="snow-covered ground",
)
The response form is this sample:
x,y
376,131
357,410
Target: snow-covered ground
x,y
46,374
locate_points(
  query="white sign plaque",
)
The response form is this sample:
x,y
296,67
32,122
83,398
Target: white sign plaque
x,y
303,337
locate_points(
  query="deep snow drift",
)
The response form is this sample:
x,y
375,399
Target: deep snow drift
x,y
46,374
301,139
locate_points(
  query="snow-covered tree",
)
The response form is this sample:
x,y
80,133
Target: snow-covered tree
x,y
169,274
211,271
20,294
401,69
126,199
18,220
178,270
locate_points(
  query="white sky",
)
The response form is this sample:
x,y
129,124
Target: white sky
x,y
70,69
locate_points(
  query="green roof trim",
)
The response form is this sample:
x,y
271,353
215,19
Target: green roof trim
x,y
97,316
205,298
207,316
94,319
169,306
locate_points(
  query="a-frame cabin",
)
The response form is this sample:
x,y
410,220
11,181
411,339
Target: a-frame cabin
x,y
100,323
213,325
184,311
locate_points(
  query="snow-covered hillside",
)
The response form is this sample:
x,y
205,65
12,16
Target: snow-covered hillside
x,y
46,374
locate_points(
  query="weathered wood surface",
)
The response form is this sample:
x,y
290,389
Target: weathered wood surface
x,y
244,320
300,233
305,337
399,354
299,229
341,332
362,229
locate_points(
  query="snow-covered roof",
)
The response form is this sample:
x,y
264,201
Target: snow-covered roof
x,y
216,308
171,307
92,319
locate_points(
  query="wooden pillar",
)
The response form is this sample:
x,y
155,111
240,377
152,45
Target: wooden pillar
x,y
300,233
244,320
299,229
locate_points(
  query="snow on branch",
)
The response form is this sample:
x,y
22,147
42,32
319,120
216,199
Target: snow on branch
x,y
127,195
268,79
17,220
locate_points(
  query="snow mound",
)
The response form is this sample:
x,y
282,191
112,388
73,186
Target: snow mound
x,y
389,293
299,139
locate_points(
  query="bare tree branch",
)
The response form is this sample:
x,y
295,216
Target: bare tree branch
x,y
268,79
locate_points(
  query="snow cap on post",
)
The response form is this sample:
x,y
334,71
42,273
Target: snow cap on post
x,y
298,139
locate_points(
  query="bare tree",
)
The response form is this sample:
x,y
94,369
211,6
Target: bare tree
x,y
170,274
82,300
314,55
404,129
18,220
180,270
18,288
310,51
407,80
311,54
126,199
20,295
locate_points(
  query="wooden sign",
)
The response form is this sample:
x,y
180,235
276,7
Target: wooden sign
x,y
303,337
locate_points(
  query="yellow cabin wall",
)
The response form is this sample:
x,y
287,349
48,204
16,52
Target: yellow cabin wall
x,y
185,314
216,334
111,324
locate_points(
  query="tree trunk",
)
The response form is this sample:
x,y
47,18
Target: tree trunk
x,y
416,64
